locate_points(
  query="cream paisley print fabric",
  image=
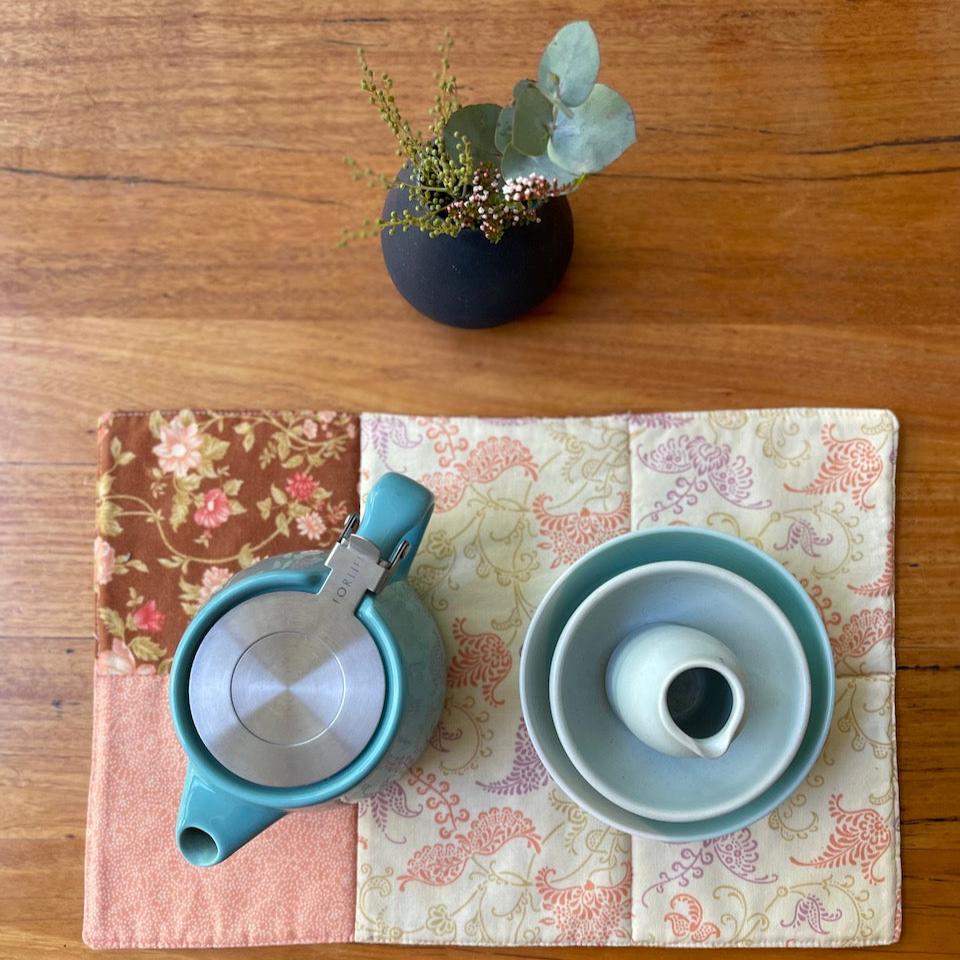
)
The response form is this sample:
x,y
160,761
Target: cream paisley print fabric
x,y
475,844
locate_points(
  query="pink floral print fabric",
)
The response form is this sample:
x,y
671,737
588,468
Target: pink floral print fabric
x,y
186,498
476,845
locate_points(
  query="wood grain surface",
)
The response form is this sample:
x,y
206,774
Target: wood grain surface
x,y
786,231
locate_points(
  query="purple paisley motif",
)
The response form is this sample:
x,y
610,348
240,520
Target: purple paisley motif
x,y
671,456
699,465
526,774
801,533
384,432
391,799
811,911
737,852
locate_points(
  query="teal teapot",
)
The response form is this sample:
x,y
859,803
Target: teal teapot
x,y
310,677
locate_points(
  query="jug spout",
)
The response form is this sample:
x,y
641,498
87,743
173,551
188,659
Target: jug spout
x,y
213,824
711,747
702,709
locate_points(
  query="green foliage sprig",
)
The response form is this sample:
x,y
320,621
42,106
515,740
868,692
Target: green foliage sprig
x,y
487,167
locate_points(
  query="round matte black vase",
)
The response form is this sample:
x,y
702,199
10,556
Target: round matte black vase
x,y
466,281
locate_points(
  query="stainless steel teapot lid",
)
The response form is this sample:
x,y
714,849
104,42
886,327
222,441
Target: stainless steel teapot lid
x,y
287,688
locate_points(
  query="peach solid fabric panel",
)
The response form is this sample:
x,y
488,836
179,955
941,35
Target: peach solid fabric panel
x,y
293,884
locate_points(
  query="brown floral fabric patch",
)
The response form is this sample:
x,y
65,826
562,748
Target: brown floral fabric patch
x,y
186,499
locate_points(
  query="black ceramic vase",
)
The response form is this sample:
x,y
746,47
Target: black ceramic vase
x,y
466,281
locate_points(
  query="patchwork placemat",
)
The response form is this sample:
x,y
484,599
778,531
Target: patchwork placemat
x,y
475,844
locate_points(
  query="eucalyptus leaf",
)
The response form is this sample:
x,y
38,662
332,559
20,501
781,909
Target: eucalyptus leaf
x,y
569,65
476,123
503,133
597,133
516,164
532,119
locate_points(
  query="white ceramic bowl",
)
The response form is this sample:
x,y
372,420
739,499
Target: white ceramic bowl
x,y
774,673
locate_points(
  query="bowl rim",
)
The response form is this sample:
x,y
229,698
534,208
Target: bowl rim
x,y
566,642
701,830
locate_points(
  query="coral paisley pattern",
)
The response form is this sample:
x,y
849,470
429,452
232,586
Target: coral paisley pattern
x,y
588,913
571,535
859,838
492,829
482,660
442,863
437,865
862,632
477,845
852,466
487,461
447,489
686,919
490,458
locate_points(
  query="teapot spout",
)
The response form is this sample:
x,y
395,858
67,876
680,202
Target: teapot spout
x,y
211,824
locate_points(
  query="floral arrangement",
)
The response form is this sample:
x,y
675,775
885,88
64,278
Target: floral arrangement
x,y
489,168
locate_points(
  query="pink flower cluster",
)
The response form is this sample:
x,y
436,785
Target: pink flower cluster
x,y
492,207
149,617
535,188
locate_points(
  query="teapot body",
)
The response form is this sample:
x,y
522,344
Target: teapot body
x,y
311,677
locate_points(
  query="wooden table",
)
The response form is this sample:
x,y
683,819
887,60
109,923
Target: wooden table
x,y
786,231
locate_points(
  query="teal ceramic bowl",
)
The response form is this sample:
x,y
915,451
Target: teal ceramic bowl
x,y
628,552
